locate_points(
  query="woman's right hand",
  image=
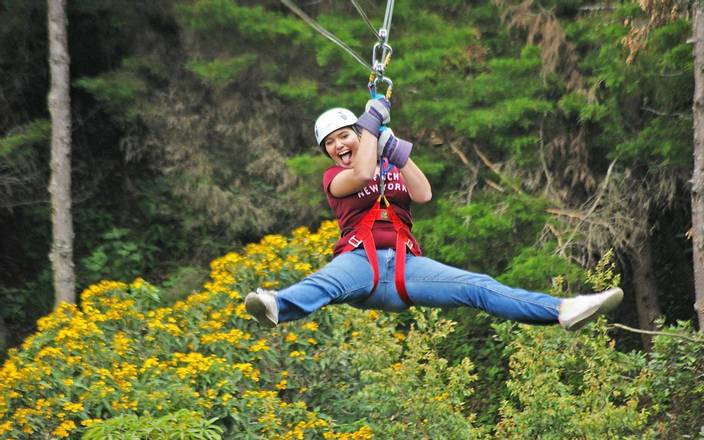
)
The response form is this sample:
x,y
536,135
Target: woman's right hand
x,y
381,108
377,112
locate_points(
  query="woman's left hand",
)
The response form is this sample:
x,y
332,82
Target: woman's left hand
x,y
395,149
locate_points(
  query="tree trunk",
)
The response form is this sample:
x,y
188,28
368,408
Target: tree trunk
x,y
61,254
647,303
698,173
3,335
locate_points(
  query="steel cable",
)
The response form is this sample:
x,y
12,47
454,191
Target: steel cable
x,y
327,34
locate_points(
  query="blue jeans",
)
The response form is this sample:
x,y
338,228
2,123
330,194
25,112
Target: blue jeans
x,y
348,278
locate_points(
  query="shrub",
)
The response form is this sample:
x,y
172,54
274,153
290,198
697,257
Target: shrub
x,y
567,385
574,385
676,365
181,425
123,353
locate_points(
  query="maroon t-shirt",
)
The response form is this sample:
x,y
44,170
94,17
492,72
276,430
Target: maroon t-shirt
x,y
350,209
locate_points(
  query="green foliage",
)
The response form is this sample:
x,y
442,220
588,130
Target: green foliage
x,y
483,235
573,386
181,425
643,109
668,138
116,90
677,366
221,72
308,169
252,22
117,256
540,268
439,390
475,338
433,166
296,89
38,131
182,282
604,275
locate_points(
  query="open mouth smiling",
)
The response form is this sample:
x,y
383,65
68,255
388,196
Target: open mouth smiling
x,y
344,154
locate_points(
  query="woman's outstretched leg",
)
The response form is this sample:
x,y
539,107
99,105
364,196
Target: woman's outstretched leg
x,y
434,284
347,278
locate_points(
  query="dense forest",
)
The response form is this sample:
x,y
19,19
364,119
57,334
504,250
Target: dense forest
x,y
557,135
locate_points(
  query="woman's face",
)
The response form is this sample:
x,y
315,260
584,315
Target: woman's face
x,y
340,145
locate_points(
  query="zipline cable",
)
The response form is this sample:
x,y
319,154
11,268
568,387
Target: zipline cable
x,y
381,52
365,18
387,24
327,34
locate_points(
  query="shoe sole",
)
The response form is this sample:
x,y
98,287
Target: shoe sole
x,y
613,299
255,307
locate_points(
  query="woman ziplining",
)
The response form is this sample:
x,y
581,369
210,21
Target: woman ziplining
x,y
377,263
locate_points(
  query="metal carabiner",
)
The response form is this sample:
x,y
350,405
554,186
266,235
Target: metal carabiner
x,y
381,54
389,85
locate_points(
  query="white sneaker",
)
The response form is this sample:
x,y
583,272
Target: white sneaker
x,y
578,311
262,306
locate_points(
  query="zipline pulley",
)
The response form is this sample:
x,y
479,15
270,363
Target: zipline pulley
x,y
381,52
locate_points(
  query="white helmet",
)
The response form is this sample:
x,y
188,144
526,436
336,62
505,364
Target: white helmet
x,y
332,120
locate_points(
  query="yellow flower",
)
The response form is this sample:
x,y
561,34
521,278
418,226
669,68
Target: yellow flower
x,y
260,345
260,394
296,354
247,370
271,284
312,326
5,427
306,268
291,337
242,313
148,364
121,343
73,407
137,283
64,429
90,422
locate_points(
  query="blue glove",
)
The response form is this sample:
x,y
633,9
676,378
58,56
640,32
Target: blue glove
x,y
396,150
376,112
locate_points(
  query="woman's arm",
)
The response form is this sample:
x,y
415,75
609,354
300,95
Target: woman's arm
x,y
417,184
354,179
398,151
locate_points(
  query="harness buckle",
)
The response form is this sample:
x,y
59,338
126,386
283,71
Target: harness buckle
x,y
409,243
354,241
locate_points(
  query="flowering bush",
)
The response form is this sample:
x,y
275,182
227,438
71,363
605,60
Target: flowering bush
x,y
122,353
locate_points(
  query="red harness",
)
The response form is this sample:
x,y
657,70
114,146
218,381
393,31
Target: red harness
x,y
362,234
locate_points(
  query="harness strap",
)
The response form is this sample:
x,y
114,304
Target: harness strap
x,y
403,241
363,235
